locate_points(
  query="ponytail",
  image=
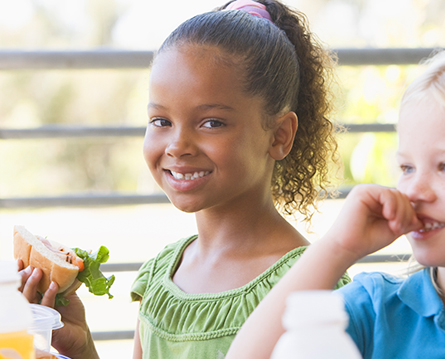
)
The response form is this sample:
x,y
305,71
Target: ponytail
x,y
288,69
302,176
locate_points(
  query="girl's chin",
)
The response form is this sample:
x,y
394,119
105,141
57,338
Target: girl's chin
x,y
428,259
184,205
186,209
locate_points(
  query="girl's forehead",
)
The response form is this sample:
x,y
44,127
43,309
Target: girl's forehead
x,y
191,76
421,119
192,65
212,55
423,106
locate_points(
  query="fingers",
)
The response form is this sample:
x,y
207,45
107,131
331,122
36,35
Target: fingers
x,y
29,289
399,212
386,210
20,264
25,274
49,297
30,280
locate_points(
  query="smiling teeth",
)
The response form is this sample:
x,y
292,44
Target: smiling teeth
x,y
189,176
430,226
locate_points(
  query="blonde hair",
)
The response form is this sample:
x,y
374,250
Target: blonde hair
x,y
430,83
433,275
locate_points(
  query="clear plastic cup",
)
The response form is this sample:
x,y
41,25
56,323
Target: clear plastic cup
x,y
45,320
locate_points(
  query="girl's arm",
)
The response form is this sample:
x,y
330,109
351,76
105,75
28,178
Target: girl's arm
x,y
74,338
371,218
137,349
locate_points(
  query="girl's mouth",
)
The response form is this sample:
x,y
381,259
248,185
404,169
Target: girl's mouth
x,y
189,176
431,226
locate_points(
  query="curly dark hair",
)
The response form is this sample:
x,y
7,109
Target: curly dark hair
x,y
287,67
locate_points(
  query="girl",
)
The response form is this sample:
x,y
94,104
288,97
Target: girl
x,y
389,317
228,90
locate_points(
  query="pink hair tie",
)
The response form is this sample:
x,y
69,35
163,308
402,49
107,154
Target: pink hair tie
x,y
252,7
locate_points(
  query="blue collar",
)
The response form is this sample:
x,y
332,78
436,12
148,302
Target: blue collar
x,y
418,292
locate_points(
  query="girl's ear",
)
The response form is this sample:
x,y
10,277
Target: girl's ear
x,y
283,136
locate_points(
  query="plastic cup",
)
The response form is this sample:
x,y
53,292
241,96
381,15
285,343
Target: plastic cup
x,y
45,320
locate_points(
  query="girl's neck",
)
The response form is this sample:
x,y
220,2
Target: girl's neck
x,y
234,246
245,227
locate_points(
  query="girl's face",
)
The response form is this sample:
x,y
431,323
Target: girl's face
x,y
421,156
205,144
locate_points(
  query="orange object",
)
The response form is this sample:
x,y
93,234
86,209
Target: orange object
x,y
16,345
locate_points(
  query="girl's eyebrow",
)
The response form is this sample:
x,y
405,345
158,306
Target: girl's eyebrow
x,y
204,107
215,106
155,106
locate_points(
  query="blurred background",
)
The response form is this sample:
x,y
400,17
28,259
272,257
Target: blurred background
x,y
82,166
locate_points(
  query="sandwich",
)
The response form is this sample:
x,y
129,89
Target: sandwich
x,y
68,267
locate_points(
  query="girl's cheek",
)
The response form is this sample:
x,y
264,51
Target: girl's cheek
x,y
149,151
146,151
400,185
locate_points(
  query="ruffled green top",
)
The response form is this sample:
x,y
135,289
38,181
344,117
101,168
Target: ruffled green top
x,y
174,324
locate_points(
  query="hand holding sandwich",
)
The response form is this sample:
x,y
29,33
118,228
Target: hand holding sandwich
x,y
68,267
41,285
74,338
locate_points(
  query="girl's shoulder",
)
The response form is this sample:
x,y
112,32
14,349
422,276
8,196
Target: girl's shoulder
x,y
221,314
379,288
374,284
373,279
166,258
196,309
381,304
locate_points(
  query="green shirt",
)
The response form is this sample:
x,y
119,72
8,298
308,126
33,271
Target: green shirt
x,y
174,324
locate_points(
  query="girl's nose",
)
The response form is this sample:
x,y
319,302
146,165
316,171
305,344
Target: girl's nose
x,y
420,189
181,144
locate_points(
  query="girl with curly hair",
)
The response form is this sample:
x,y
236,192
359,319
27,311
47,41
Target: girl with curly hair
x,y
238,130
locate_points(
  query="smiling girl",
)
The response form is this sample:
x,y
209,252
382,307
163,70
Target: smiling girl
x,y
237,129
390,317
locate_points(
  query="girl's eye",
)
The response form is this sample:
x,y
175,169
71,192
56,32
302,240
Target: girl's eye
x,y
212,123
406,169
160,122
442,166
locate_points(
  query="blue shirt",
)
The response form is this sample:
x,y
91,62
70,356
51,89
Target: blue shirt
x,y
391,317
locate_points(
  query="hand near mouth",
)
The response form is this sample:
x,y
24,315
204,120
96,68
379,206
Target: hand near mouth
x,y
372,217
